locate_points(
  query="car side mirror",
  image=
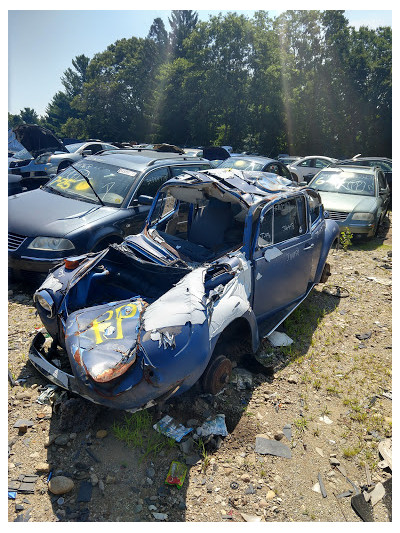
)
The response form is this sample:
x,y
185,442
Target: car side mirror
x,y
86,152
302,183
145,200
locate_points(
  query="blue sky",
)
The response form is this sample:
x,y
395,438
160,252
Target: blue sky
x,y
43,42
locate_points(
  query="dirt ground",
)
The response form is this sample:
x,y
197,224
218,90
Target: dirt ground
x,y
326,398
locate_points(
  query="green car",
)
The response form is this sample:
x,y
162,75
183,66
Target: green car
x,y
355,197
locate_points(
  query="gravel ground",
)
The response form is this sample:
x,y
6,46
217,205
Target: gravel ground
x,y
331,388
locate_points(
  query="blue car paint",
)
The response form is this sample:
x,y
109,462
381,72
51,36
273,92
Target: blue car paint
x,y
168,361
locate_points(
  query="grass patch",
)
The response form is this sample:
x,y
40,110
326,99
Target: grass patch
x,y
137,431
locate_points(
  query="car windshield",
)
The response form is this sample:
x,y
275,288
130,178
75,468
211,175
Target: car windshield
x,y
22,154
111,183
73,147
241,164
345,183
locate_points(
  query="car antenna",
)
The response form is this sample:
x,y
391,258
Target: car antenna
x,y
90,185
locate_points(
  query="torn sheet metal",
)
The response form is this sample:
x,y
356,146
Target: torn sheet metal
x,y
183,303
233,301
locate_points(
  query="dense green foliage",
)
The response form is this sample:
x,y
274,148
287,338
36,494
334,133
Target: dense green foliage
x,y
303,83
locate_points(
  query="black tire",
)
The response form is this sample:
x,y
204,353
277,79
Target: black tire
x,y
378,226
217,374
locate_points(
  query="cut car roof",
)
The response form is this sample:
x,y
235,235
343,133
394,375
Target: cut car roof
x,y
248,186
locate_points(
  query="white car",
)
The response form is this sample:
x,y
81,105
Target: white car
x,y
304,169
54,163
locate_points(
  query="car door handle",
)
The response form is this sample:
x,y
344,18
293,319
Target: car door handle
x,y
309,247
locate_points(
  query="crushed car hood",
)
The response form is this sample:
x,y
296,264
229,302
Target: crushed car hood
x,y
39,212
37,140
100,343
333,201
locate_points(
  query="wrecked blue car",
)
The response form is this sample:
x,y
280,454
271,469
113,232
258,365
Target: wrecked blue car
x,y
141,321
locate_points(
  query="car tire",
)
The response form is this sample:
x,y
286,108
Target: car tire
x,y
378,224
217,374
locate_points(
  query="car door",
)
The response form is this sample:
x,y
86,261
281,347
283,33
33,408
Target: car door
x,y
282,256
139,208
305,169
384,194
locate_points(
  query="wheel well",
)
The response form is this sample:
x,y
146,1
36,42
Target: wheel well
x,y
63,164
106,241
234,340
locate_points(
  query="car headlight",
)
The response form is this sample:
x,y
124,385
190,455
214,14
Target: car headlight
x,y
44,299
42,159
367,217
51,243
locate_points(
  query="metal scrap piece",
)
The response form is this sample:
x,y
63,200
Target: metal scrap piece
x,y
322,486
272,447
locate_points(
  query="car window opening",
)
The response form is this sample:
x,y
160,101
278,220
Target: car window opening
x,y
201,228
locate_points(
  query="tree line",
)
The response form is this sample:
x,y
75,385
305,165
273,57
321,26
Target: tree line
x,y
305,82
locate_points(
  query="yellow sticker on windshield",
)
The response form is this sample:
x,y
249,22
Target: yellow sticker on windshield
x,y
82,186
318,182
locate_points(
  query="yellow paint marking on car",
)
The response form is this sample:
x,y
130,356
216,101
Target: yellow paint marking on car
x,y
119,314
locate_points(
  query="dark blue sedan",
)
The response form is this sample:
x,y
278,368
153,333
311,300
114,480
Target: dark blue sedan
x,y
97,201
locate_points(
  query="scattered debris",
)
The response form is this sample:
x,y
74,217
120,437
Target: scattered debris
x,y
345,494
85,492
167,426
11,379
92,455
176,474
381,281
387,394
216,426
47,393
250,518
362,508
242,378
385,449
368,475
23,423
287,431
364,336
321,484
278,338
319,451
335,290
377,494
264,446
325,419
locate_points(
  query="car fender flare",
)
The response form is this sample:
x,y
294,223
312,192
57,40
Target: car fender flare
x,y
106,234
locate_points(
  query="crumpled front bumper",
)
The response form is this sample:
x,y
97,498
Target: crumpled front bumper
x,y
74,385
